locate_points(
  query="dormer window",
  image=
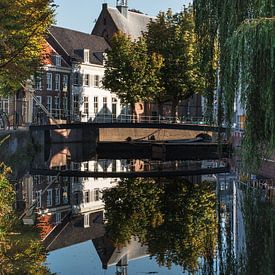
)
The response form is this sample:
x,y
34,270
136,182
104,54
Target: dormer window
x,y
58,60
86,56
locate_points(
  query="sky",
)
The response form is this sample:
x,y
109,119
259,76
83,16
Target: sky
x,y
80,15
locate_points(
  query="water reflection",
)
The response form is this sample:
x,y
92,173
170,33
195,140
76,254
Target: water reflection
x,y
200,223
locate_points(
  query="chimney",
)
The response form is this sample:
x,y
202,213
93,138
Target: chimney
x,y
122,6
104,6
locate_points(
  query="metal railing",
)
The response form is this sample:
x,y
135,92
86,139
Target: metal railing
x,y
127,118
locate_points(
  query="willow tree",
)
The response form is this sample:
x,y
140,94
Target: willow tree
x,y
245,31
172,36
23,25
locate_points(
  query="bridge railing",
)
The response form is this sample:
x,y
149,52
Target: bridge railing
x,y
127,118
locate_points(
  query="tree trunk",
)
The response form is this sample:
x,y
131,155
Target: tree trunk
x,y
174,109
133,111
160,108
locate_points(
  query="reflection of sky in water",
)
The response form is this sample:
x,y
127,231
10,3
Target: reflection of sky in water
x,y
82,259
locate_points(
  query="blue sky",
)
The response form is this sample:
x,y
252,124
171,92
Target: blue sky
x,y
81,14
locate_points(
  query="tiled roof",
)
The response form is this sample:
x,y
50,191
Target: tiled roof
x,y
72,41
133,25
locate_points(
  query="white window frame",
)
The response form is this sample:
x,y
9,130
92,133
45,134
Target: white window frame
x,y
86,104
86,196
38,83
49,103
57,196
65,83
86,56
86,80
49,81
96,80
86,220
57,82
57,217
58,60
105,105
49,197
95,105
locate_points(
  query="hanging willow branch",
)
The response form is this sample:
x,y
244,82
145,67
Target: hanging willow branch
x,y
245,32
251,72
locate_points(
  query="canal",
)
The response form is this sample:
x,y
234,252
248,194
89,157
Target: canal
x,y
81,213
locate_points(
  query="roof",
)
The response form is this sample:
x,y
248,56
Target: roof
x,y
74,41
133,25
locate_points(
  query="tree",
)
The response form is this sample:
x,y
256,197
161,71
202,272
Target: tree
x,y
172,36
21,251
23,26
245,34
127,70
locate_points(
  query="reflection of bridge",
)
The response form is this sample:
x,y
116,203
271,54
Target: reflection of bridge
x,y
132,174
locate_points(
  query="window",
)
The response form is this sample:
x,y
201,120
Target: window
x,y
86,105
86,56
86,220
57,60
57,102
65,104
4,105
96,80
95,104
57,82
75,103
65,195
38,83
49,103
86,79
86,197
105,108
57,196
86,166
57,217
49,81
76,79
97,194
114,107
49,197
38,195
65,83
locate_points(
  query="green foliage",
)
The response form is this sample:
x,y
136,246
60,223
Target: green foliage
x,y
245,34
252,72
127,69
21,251
172,37
23,25
259,221
175,218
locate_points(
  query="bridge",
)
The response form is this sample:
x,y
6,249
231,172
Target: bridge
x,y
120,130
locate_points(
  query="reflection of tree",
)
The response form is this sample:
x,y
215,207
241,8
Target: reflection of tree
x,y
175,218
259,220
21,252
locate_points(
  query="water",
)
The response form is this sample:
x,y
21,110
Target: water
x,y
98,216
